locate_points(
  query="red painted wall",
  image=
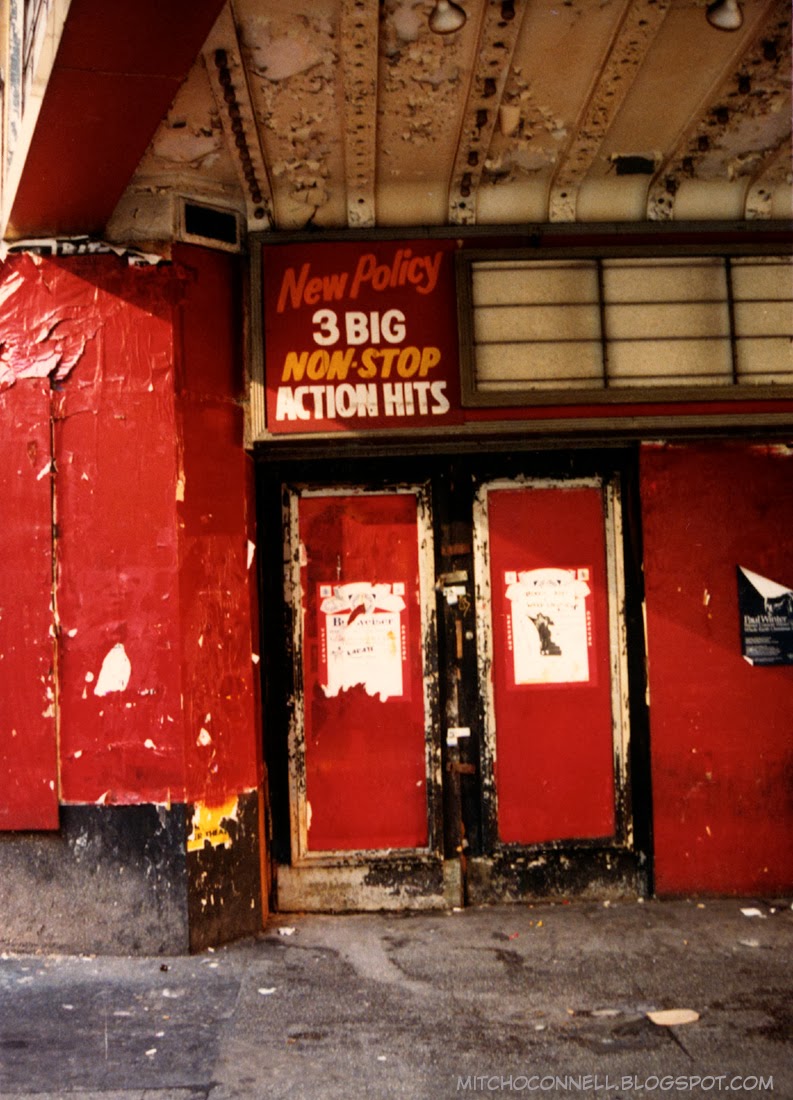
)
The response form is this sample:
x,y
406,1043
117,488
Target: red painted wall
x,y
117,545
721,729
138,373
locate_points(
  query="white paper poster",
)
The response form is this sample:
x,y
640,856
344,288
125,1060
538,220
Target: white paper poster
x,y
363,638
549,627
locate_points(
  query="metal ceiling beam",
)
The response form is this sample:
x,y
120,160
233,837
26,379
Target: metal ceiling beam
x,y
640,24
747,92
359,32
229,82
498,37
771,173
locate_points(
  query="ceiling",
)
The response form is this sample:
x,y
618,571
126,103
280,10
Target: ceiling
x,y
352,114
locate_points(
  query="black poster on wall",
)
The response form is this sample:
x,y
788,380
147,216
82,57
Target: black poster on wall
x,y
766,610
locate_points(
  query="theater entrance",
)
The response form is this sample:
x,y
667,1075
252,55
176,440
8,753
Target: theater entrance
x,y
449,701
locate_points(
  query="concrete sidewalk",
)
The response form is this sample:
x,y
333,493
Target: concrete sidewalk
x,y
536,1000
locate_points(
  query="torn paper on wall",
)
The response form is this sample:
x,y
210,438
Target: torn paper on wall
x,y
44,332
209,824
115,672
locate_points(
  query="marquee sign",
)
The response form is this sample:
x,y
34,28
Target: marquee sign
x,y
360,336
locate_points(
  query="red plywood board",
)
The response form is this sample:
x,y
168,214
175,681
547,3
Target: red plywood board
x,y
217,563
720,727
28,755
217,573
211,324
117,550
554,747
155,564
364,712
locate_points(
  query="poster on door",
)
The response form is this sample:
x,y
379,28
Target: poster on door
x,y
549,625
363,638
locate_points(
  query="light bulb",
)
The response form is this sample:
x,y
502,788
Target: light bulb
x,y
726,15
446,17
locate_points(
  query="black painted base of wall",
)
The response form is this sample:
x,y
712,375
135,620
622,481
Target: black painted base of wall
x,y
224,896
118,880
597,873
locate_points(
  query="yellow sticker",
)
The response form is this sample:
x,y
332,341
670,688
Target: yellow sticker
x,y
208,825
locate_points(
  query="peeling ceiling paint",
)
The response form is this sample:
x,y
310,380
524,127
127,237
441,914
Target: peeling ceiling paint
x,y
744,123
346,114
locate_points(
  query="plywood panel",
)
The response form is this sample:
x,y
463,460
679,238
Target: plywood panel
x,y
28,762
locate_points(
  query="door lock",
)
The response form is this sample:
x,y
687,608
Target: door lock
x,y
453,587
459,576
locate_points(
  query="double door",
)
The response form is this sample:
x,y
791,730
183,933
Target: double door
x,y
456,711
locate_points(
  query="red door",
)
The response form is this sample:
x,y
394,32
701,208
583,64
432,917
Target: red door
x,y
363,673
552,689
365,744
554,685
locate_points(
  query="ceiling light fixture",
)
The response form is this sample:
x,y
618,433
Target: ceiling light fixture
x,y
446,17
726,15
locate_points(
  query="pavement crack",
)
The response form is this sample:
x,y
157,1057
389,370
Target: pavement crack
x,y
676,1038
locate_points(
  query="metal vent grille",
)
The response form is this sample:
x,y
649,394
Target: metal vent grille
x,y
213,226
